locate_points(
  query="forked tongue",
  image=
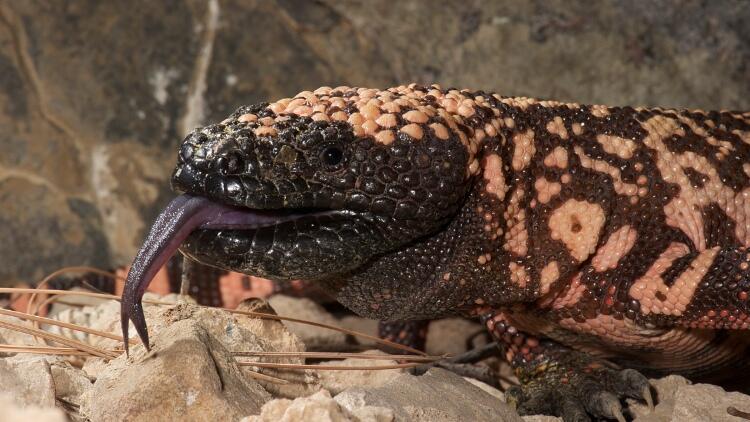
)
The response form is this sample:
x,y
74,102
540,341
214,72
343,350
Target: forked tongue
x,y
183,215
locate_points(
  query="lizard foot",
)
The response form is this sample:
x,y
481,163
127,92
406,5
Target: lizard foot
x,y
576,387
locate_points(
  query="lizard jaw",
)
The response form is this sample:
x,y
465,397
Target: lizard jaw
x,y
182,216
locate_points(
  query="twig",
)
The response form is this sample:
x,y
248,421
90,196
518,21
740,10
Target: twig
x,y
59,323
463,365
333,355
326,367
58,339
234,311
267,378
330,327
42,350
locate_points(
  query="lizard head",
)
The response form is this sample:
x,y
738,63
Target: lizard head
x,y
312,187
311,198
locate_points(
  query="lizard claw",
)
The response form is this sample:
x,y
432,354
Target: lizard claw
x,y
605,404
577,387
648,397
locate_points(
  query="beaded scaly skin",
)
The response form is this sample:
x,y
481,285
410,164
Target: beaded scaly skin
x,y
585,236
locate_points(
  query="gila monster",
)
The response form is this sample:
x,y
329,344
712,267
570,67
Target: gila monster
x,y
598,244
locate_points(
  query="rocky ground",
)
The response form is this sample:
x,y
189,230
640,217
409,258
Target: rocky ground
x,y
193,374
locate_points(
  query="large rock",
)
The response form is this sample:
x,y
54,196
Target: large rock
x,y
436,396
189,374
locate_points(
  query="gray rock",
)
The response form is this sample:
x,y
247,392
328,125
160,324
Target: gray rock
x,y
189,374
27,380
438,395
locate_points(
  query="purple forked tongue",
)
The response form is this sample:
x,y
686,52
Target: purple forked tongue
x,y
183,215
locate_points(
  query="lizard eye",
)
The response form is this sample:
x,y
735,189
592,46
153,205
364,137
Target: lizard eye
x,y
332,156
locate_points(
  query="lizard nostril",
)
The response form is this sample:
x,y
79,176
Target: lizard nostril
x,y
199,138
231,163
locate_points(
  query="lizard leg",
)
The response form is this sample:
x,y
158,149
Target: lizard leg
x,y
407,333
557,380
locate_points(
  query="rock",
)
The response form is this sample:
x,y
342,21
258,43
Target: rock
x,y
438,395
189,374
450,336
13,412
362,325
237,332
679,400
487,388
14,337
315,338
27,380
70,383
338,381
104,316
704,402
319,407
541,418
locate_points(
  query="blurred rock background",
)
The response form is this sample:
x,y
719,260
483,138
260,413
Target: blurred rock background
x,y
95,96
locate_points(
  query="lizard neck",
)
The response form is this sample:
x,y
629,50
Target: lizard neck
x,y
478,258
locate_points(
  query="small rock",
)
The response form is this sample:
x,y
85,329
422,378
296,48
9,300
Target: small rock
x,y
188,375
541,418
70,383
362,325
338,381
438,395
14,337
450,336
315,338
27,380
319,407
13,412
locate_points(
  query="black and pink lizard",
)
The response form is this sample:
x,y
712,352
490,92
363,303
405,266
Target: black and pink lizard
x,y
599,244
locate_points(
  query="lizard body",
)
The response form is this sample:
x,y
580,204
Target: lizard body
x,y
579,233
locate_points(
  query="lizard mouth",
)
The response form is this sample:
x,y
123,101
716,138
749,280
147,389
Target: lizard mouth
x,y
184,215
